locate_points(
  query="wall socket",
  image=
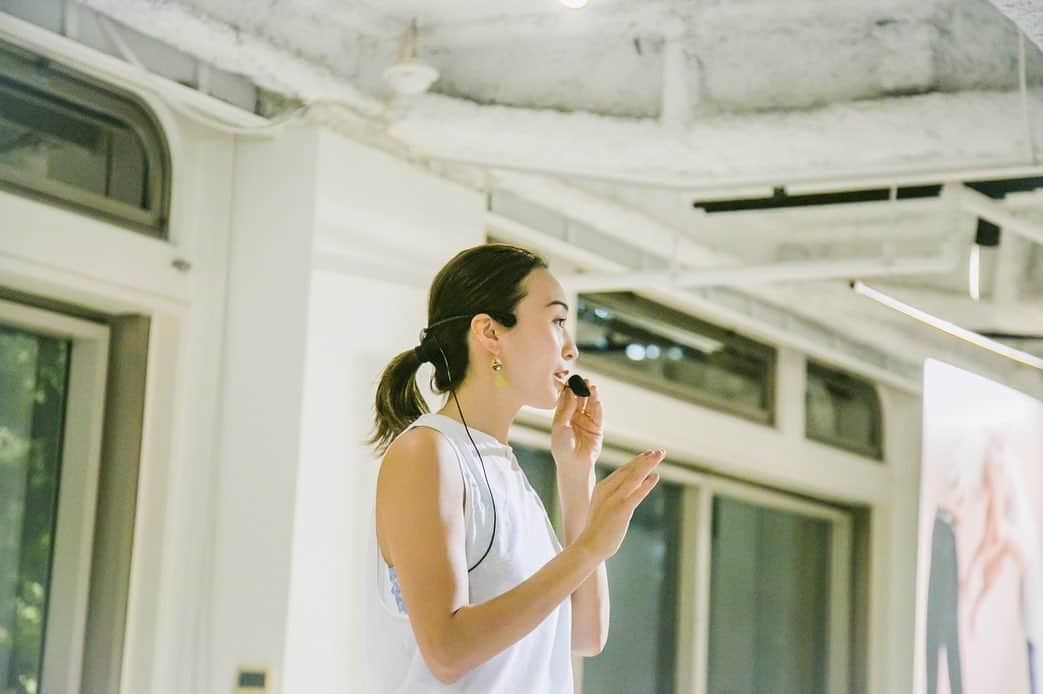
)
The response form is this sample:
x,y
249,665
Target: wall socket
x,y
252,681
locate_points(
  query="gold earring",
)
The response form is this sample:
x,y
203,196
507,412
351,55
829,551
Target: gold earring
x,y
498,380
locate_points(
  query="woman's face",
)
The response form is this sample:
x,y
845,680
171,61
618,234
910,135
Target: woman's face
x,y
539,351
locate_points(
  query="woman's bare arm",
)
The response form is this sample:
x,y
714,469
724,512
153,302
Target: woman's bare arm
x,y
992,566
591,610
420,515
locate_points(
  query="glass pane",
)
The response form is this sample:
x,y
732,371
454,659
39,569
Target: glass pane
x,y
842,410
641,653
769,609
33,380
46,138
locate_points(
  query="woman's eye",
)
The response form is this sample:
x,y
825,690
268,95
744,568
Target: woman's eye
x,y
560,322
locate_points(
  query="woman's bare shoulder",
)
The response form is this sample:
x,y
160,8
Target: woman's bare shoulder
x,y
417,459
418,486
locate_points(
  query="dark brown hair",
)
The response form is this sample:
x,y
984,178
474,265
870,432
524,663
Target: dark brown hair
x,y
483,279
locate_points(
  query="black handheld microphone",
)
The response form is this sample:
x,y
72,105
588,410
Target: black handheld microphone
x,y
578,386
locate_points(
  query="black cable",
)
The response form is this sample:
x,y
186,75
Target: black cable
x,y
482,460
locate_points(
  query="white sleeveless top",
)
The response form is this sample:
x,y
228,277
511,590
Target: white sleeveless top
x,y
541,662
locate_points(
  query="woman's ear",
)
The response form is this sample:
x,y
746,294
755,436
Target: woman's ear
x,y
487,332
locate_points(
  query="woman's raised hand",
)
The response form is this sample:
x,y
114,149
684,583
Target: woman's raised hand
x,y
577,432
613,502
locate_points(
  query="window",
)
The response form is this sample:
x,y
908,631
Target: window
x,y
769,600
74,142
644,577
641,655
842,410
68,494
34,377
663,349
719,586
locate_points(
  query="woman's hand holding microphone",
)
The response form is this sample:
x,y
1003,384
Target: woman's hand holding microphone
x,y
576,437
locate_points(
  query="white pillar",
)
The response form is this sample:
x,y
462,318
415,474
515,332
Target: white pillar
x,y
384,228
268,288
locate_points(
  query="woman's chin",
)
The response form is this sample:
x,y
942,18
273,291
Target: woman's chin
x,y
548,401
554,397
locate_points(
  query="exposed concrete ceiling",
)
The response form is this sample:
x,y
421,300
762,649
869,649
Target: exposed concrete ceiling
x,y
609,59
1027,14
620,115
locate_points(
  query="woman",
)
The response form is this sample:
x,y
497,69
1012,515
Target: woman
x,y
469,588
1010,533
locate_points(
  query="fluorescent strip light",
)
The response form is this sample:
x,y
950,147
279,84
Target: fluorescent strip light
x,y
947,327
974,272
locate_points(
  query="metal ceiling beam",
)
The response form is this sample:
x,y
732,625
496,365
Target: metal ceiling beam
x,y
985,207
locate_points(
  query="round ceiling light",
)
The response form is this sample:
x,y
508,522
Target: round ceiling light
x,y
409,76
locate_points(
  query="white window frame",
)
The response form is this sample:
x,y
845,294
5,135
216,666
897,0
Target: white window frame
x,y
693,607
78,488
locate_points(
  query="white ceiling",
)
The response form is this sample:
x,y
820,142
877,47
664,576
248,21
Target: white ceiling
x,y
619,115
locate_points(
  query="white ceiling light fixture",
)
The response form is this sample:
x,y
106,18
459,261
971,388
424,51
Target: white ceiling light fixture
x,y
575,4
986,236
974,272
409,76
945,326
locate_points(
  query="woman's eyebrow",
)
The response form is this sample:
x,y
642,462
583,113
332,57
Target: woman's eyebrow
x,y
559,303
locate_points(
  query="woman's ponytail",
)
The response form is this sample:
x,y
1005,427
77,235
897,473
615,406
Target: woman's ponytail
x,y
398,401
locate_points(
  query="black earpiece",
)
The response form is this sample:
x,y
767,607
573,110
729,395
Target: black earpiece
x,y
578,386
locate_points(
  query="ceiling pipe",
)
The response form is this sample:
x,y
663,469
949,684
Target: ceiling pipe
x,y
161,88
675,109
815,270
747,186
1030,136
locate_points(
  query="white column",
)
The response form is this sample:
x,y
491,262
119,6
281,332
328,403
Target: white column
x,y
259,428
384,228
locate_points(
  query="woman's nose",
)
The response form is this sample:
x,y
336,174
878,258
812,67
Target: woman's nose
x,y
571,349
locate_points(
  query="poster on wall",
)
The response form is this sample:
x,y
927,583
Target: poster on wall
x,y
979,594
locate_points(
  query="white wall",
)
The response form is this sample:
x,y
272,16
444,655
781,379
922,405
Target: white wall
x,y
310,257
263,373
378,218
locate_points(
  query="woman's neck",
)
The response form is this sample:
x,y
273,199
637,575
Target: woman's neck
x,y
490,414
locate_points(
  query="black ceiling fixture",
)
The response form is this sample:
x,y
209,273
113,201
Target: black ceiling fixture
x,y
996,189
987,234
992,335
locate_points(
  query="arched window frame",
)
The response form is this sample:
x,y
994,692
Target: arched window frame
x,y
54,85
